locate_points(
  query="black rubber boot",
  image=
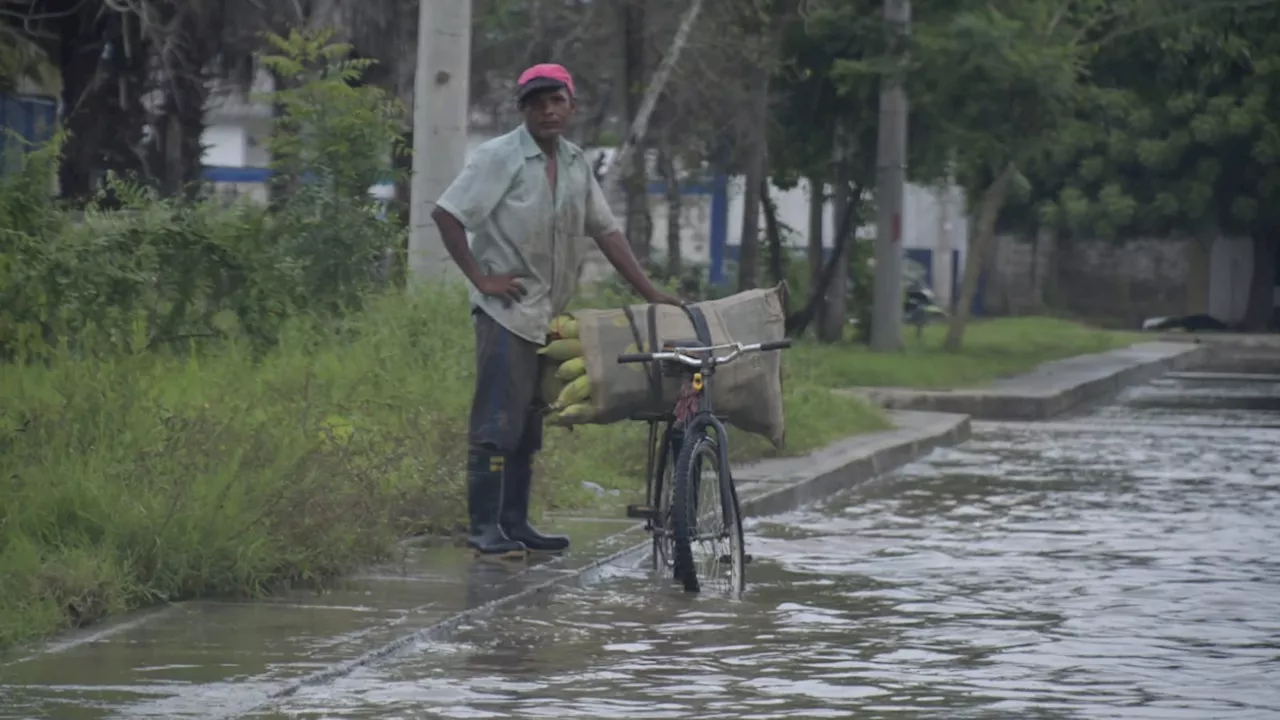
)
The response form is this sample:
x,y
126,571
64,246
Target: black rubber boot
x,y
515,509
484,503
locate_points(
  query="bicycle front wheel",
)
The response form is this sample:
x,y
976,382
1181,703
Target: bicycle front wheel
x,y
706,528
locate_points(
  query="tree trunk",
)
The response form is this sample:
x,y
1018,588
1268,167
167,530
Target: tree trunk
x,y
817,229
397,266
187,49
76,171
101,101
640,121
817,209
1260,311
773,231
835,308
540,50
183,129
757,173
78,63
674,208
749,238
992,201
638,222
846,222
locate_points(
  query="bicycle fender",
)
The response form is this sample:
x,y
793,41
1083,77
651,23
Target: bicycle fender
x,y
700,423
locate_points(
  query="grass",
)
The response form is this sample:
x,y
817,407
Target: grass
x,y
992,349
148,478
140,479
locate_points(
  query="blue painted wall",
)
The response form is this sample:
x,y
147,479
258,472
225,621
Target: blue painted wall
x,y
33,117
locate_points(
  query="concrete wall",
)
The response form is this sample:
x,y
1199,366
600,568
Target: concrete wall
x,y
224,145
1120,282
1018,277
1230,270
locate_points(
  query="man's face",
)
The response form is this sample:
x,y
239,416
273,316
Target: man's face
x,y
547,113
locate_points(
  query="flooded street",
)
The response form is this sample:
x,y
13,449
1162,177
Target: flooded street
x,y
1119,564
1122,562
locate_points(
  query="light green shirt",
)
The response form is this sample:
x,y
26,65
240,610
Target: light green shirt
x,y
519,224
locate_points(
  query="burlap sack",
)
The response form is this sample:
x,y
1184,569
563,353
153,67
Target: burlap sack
x,y
746,392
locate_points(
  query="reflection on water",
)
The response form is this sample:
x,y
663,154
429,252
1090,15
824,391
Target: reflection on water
x,y
1060,571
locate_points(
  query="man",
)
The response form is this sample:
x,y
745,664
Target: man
x,y
527,197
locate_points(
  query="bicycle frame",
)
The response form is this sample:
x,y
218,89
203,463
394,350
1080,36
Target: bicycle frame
x,y
704,417
701,371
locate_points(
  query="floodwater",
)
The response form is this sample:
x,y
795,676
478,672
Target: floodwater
x,y
1120,564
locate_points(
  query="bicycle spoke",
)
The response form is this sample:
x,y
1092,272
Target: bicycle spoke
x,y
711,552
708,536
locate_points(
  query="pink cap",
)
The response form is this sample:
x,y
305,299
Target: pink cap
x,y
545,75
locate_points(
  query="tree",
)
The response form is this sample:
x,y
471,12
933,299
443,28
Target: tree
x,y
101,59
639,223
1179,134
990,84
138,74
812,109
21,57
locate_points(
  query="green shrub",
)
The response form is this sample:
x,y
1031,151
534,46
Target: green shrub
x,y
159,272
334,140
212,399
140,478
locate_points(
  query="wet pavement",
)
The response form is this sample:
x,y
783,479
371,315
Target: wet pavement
x,y
1116,564
217,659
1119,563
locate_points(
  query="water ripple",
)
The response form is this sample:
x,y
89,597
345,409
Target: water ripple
x,y
1065,570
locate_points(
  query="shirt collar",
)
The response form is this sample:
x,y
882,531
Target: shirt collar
x,y
530,147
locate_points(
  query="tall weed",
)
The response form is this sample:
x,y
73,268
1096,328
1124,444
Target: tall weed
x,y
137,478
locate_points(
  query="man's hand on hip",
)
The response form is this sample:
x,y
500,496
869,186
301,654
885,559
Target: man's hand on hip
x,y
506,286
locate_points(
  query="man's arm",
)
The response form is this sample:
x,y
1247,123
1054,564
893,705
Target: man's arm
x,y
455,241
602,227
617,251
466,203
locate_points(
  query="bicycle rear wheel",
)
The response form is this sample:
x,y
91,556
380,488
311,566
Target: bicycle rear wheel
x,y
706,520
663,555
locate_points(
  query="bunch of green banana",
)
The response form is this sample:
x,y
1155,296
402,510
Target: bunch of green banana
x,y
566,388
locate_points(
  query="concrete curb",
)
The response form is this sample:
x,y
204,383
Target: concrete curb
x,y
766,488
846,464
1051,389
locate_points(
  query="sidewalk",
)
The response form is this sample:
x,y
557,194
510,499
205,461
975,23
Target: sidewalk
x,y
224,659
1052,388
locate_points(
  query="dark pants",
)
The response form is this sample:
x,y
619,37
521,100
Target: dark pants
x,y
506,416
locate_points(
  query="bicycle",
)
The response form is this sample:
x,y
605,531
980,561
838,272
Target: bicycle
x,y
695,437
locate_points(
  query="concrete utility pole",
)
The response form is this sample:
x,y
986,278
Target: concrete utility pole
x,y
440,105
891,171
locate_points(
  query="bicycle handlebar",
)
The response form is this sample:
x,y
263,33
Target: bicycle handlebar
x,y
684,355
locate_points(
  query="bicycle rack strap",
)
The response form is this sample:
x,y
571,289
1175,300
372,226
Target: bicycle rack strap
x,y
700,328
655,373
699,321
